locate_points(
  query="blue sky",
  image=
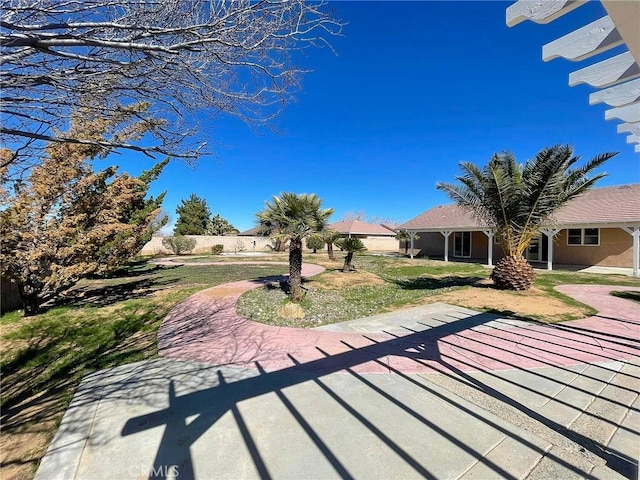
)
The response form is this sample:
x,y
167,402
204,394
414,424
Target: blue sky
x,y
415,88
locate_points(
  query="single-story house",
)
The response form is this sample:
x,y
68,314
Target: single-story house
x,y
252,232
363,230
600,227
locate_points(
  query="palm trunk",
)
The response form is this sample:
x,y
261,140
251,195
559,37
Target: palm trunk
x,y
295,269
513,272
30,299
332,257
347,262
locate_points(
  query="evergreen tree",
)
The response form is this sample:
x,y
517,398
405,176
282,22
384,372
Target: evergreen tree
x,y
220,226
66,221
193,216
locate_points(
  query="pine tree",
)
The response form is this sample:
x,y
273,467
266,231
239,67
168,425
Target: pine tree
x,y
193,216
66,221
220,226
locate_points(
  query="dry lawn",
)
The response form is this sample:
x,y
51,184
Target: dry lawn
x,y
533,303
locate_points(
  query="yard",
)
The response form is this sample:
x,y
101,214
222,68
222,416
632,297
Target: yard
x,y
111,321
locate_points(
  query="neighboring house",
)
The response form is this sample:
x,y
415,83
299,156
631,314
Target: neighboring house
x,y
376,238
358,229
600,227
252,232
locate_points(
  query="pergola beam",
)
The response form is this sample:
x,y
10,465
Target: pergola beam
x,y
628,113
585,42
540,11
618,95
629,127
611,71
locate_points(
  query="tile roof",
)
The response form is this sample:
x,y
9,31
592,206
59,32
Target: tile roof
x,y
356,227
252,232
443,216
618,204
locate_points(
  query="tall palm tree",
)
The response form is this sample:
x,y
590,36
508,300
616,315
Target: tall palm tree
x,y
293,217
350,245
515,200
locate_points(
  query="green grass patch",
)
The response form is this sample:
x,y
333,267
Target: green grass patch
x,y
407,283
102,322
628,295
548,280
404,285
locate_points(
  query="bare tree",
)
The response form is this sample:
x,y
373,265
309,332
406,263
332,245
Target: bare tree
x,y
183,57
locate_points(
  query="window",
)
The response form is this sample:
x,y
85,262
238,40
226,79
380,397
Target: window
x,y
583,236
574,236
591,236
462,244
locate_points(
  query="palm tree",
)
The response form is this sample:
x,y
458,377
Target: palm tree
x,y
350,245
293,217
404,236
515,200
330,236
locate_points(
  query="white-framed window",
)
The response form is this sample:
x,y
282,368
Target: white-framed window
x,y
583,236
462,244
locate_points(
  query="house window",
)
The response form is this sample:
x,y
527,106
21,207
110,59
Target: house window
x,y
591,236
583,236
462,244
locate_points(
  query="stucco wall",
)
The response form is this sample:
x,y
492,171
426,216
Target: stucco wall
x,y
231,244
204,243
615,250
431,244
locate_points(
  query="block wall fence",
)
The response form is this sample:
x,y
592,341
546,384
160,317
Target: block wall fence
x,y
234,243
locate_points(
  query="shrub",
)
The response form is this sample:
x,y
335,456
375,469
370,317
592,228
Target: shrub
x,y
217,249
315,242
239,246
179,244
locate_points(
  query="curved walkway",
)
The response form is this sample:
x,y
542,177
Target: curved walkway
x,y
439,337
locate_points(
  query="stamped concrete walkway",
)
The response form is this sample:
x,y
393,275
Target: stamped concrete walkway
x,y
206,328
462,395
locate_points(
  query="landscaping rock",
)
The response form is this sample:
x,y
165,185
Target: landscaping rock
x,y
291,311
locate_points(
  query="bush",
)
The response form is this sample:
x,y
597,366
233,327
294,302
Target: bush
x,y
179,244
239,246
315,243
217,249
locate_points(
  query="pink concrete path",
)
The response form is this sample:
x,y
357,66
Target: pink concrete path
x,y
206,328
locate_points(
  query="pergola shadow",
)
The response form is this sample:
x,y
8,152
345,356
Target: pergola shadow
x,y
210,404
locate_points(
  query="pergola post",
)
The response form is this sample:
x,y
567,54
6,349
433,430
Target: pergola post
x,y
489,235
550,233
635,233
412,236
446,234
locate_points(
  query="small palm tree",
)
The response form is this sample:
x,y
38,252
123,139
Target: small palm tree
x,y
293,217
330,236
516,200
404,236
350,245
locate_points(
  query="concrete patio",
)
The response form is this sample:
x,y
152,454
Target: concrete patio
x,y
428,392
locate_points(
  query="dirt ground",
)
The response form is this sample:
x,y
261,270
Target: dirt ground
x,y
533,303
